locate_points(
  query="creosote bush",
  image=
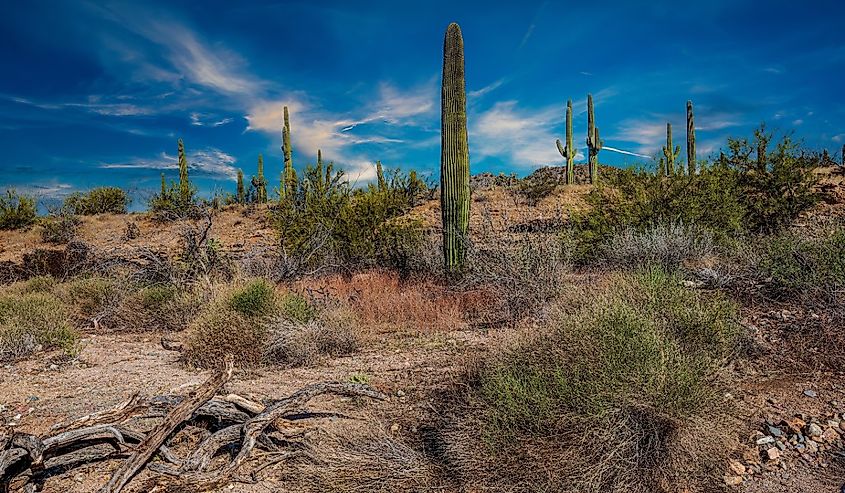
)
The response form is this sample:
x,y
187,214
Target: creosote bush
x,y
255,299
219,330
610,397
31,316
664,245
60,228
102,200
16,210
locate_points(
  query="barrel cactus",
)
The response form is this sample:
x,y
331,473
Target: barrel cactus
x,y
454,152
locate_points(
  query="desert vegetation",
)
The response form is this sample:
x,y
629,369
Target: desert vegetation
x,y
608,332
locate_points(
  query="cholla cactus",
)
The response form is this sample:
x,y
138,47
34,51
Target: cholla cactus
x,y
594,142
569,151
690,140
669,153
454,152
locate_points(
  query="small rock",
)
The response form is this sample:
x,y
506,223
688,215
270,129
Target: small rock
x,y
775,431
842,425
400,393
810,393
733,480
765,440
773,453
54,367
781,445
795,424
814,430
830,435
737,467
394,427
812,447
78,478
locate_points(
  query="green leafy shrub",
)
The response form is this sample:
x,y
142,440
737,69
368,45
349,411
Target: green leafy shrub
x,y
793,266
60,228
256,299
93,298
159,307
33,319
635,370
101,200
297,309
16,210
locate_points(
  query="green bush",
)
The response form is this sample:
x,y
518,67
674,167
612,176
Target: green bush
x,y
633,373
297,309
102,200
793,266
59,229
16,210
734,195
169,204
326,224
220,330
33,319
92,298
256,299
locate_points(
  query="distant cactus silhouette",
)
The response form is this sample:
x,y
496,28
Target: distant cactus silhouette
x,y
454,152
163,186
569,151
669,153
260,183
594,142
690,140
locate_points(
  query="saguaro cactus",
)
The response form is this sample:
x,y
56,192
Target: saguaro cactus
x,y
260,182
184,184
163,187
454,152
843,155
594,142
669,153
690,140
569,151
289,180
241,193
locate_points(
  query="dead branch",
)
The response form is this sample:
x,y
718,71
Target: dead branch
x,y
229,422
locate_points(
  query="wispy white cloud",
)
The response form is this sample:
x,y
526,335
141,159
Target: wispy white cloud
x,y
202,120
486,89
211,161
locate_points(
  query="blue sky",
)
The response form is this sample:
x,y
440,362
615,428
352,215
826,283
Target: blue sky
x,y
96,93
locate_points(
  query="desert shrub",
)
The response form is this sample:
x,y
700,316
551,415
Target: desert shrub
x,y
327,225
93,299
219,330
734,195
665,245
295,343
296,308
16,210
255,299
809,268
60,228
608,398
170,205
33,319
101,200
163,307
535,188
525,272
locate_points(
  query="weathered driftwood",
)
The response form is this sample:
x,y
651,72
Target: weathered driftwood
x,y
235,423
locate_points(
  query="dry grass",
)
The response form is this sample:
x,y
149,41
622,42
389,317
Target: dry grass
x,y
385,304
296,343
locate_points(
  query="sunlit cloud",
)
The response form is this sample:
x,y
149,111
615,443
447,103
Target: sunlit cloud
x,y
212,162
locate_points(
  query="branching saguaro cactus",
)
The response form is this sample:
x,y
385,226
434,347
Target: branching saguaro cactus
x,y
289,179
569,151
594,142
184,183
690,140
454,152
670,154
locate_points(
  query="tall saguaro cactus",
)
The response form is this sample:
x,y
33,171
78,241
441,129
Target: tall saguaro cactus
x,y
454,152
594,142
289,180
569,151
669,153
690,140
260,182
184,184
382,183
240,193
